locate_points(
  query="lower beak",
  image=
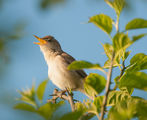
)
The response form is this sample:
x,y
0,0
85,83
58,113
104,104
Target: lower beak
x,y
41,41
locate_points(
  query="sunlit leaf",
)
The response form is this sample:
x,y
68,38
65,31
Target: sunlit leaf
x,y
128,109
24,106
28,96
116,61
41,89
138,62
48,109
86,107
103,21
137,23
80,107
127,90
126,55
137,37
136,58
77,65
134,80
121,42
108,48
72,116
141,109
117,5
124,110
98,103
115,97
95,82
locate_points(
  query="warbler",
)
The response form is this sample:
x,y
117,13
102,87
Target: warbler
x,y
58,61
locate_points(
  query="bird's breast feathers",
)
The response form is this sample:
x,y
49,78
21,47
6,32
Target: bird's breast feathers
x,y
61,76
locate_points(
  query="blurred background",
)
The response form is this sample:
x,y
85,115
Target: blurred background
x,y
21,62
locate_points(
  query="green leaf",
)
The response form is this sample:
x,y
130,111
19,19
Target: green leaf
x,y
72,116
127,90
121,42
98,103
128,109
48,109
78,65
126,55
117,5
137,23
134,80
116,61
141,108
41,89
136,58
103,21
86,106
108,48
24,106
83,108
28,96
124,110
137,37
137,63
80,107
115,97
94,84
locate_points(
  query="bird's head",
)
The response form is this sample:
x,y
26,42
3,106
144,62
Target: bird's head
x,y
48,43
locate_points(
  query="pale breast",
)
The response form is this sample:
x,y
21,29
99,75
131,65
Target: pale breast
x,y
61,77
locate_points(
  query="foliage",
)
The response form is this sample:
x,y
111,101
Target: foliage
x,y
120,101
32,101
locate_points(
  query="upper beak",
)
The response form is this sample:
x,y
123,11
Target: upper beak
x,y
41,41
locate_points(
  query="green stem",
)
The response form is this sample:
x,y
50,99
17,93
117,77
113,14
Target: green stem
x,y
117,24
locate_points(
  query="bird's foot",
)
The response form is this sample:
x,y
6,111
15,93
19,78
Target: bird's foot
x,y
58,94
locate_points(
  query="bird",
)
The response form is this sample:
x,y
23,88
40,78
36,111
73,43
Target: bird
x,y
58,61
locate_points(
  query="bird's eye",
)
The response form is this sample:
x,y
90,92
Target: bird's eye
x,y
50,40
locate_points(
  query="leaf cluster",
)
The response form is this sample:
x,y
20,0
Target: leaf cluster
x,y
32,101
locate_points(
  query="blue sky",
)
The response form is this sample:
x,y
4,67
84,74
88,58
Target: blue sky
x,y
68,24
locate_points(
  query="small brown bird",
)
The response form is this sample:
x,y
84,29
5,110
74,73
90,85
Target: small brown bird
x,y
58,61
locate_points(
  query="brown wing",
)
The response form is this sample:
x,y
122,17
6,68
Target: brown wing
x,y
69,59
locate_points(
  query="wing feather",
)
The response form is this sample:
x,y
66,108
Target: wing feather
x,y
69,59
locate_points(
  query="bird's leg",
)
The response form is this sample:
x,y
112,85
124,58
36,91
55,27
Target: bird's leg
x,y
70,99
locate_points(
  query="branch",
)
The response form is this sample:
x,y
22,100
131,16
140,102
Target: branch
x,y
107,89
121,74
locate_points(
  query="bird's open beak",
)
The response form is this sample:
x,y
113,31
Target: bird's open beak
x,y
41,41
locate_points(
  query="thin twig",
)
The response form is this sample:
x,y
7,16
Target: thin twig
x,y
107,89
58,94
71,101
121,74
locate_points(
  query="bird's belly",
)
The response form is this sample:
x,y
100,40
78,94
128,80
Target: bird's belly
x,y
64,78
